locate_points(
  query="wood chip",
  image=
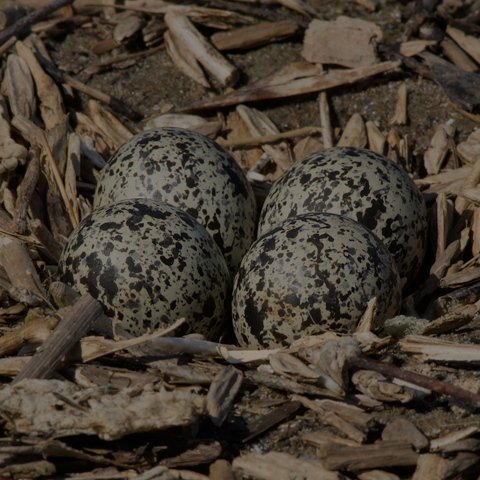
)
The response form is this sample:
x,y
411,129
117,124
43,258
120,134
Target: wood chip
x,y
400,115
378,455
451,438
457,56
269,420
184,33
469,43
442,351
437,151
359,51
402,430
435,467
254,36
222,393
354,134
281,466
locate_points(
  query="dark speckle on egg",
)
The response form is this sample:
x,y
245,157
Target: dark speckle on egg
x,y
361,185
311,273
151,264
191,172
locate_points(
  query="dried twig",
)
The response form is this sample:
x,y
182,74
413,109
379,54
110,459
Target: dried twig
x,y
437,386
22,25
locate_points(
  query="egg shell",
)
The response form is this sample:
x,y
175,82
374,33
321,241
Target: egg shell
x,y
359,184
311,273
191,172
149,263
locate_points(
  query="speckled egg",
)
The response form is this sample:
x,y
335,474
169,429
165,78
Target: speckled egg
x,y
150,264
191,172
311,273
359,184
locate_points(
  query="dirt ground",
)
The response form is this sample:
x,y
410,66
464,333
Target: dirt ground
x,y
155,81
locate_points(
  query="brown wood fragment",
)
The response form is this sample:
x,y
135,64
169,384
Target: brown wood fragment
x,y
376,386
290,366
438,149
72,327
379,455
359,51
183,32
281,466
25,191
185,60
376,139
254,36
307,146
334,418
20,269
446,324
450,438
402,430
127,27
448,303
281,85
197,453
414,47
457,56
435,467
221,470
366,322
323,441
36,331
285,384
400,115
468,43
109,124
461,278
222,393
354,134
267,421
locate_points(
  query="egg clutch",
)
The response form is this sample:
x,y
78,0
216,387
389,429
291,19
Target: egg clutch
x,y
173,230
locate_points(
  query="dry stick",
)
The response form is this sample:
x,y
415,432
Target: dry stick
x,y
114,103
325,119
72,328
121,58
58,179
437,386
34,17
299,132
